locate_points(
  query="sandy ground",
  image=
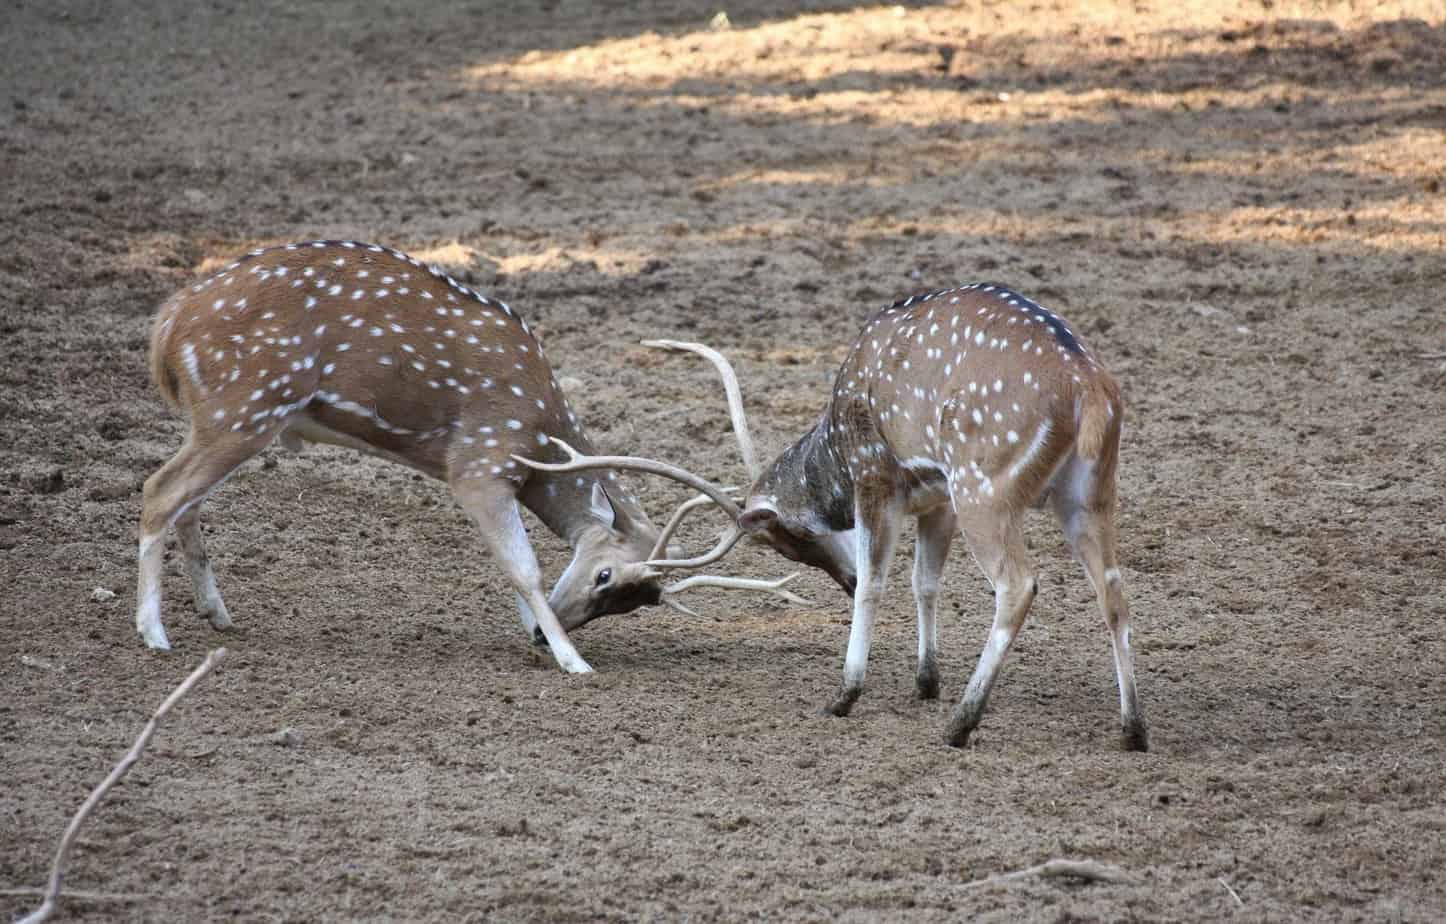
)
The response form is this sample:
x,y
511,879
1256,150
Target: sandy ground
x,y
1240,206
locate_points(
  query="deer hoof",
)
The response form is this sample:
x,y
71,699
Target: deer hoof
x,y
926,678
926,685
1136,737
843,703
959,731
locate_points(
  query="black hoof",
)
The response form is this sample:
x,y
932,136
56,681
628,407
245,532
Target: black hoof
x,y
1135,738
926,678
842,703
957,735
539,639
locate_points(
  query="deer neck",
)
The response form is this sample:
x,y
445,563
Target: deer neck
x,y
815,469
563,500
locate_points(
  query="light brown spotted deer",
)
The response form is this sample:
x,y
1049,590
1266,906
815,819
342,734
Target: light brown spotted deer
x,y
962,408
362,346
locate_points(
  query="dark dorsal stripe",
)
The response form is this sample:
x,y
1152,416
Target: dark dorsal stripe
x,y
1062,334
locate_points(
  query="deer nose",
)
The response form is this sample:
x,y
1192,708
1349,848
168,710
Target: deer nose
x,y
850,585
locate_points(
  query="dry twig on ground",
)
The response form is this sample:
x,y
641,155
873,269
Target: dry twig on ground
x,y
1239,902
1433,357
80,896
1078,869
57,869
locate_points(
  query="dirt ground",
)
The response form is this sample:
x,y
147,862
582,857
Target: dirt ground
x,y
1239,205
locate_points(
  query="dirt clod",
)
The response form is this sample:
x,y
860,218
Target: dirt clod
x,y
51,481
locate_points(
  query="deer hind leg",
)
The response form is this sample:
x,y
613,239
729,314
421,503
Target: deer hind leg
x,y
493,504
997,543
198,567
931,549
1084,506
175,490
877,532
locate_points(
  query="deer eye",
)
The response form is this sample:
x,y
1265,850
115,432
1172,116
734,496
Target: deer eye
x,y
604,576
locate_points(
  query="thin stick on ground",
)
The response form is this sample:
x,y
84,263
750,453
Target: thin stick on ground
x,y
1233,894
68,895
62,853
1078,869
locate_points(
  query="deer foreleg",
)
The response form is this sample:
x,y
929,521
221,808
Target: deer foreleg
x,y
876,533
529,621
495,510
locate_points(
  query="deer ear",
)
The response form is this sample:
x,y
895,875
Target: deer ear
x,y
602,506
757,519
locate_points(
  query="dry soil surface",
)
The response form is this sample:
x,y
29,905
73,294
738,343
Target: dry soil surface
x,y
1240,207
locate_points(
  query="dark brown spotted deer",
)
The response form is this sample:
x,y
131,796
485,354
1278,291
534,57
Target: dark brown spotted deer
x,y
362,346
962,408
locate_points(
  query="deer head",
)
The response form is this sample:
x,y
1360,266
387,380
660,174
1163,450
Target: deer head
x,y
804,511
608,574
599,600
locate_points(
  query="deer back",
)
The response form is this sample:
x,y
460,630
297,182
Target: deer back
x,y
365,346
976,385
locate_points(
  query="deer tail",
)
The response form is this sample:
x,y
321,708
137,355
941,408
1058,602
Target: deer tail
x,y
161,372
1101,416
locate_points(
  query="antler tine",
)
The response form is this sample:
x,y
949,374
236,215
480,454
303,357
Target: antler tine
x,y
660,547
729,540
672,604
734,583
578,462
735,396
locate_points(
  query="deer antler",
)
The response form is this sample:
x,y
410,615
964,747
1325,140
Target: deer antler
x,y
710,494
660,547
735,397
577,462
733,583
724,546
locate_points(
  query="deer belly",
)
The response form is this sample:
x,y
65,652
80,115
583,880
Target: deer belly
x,y
363,430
